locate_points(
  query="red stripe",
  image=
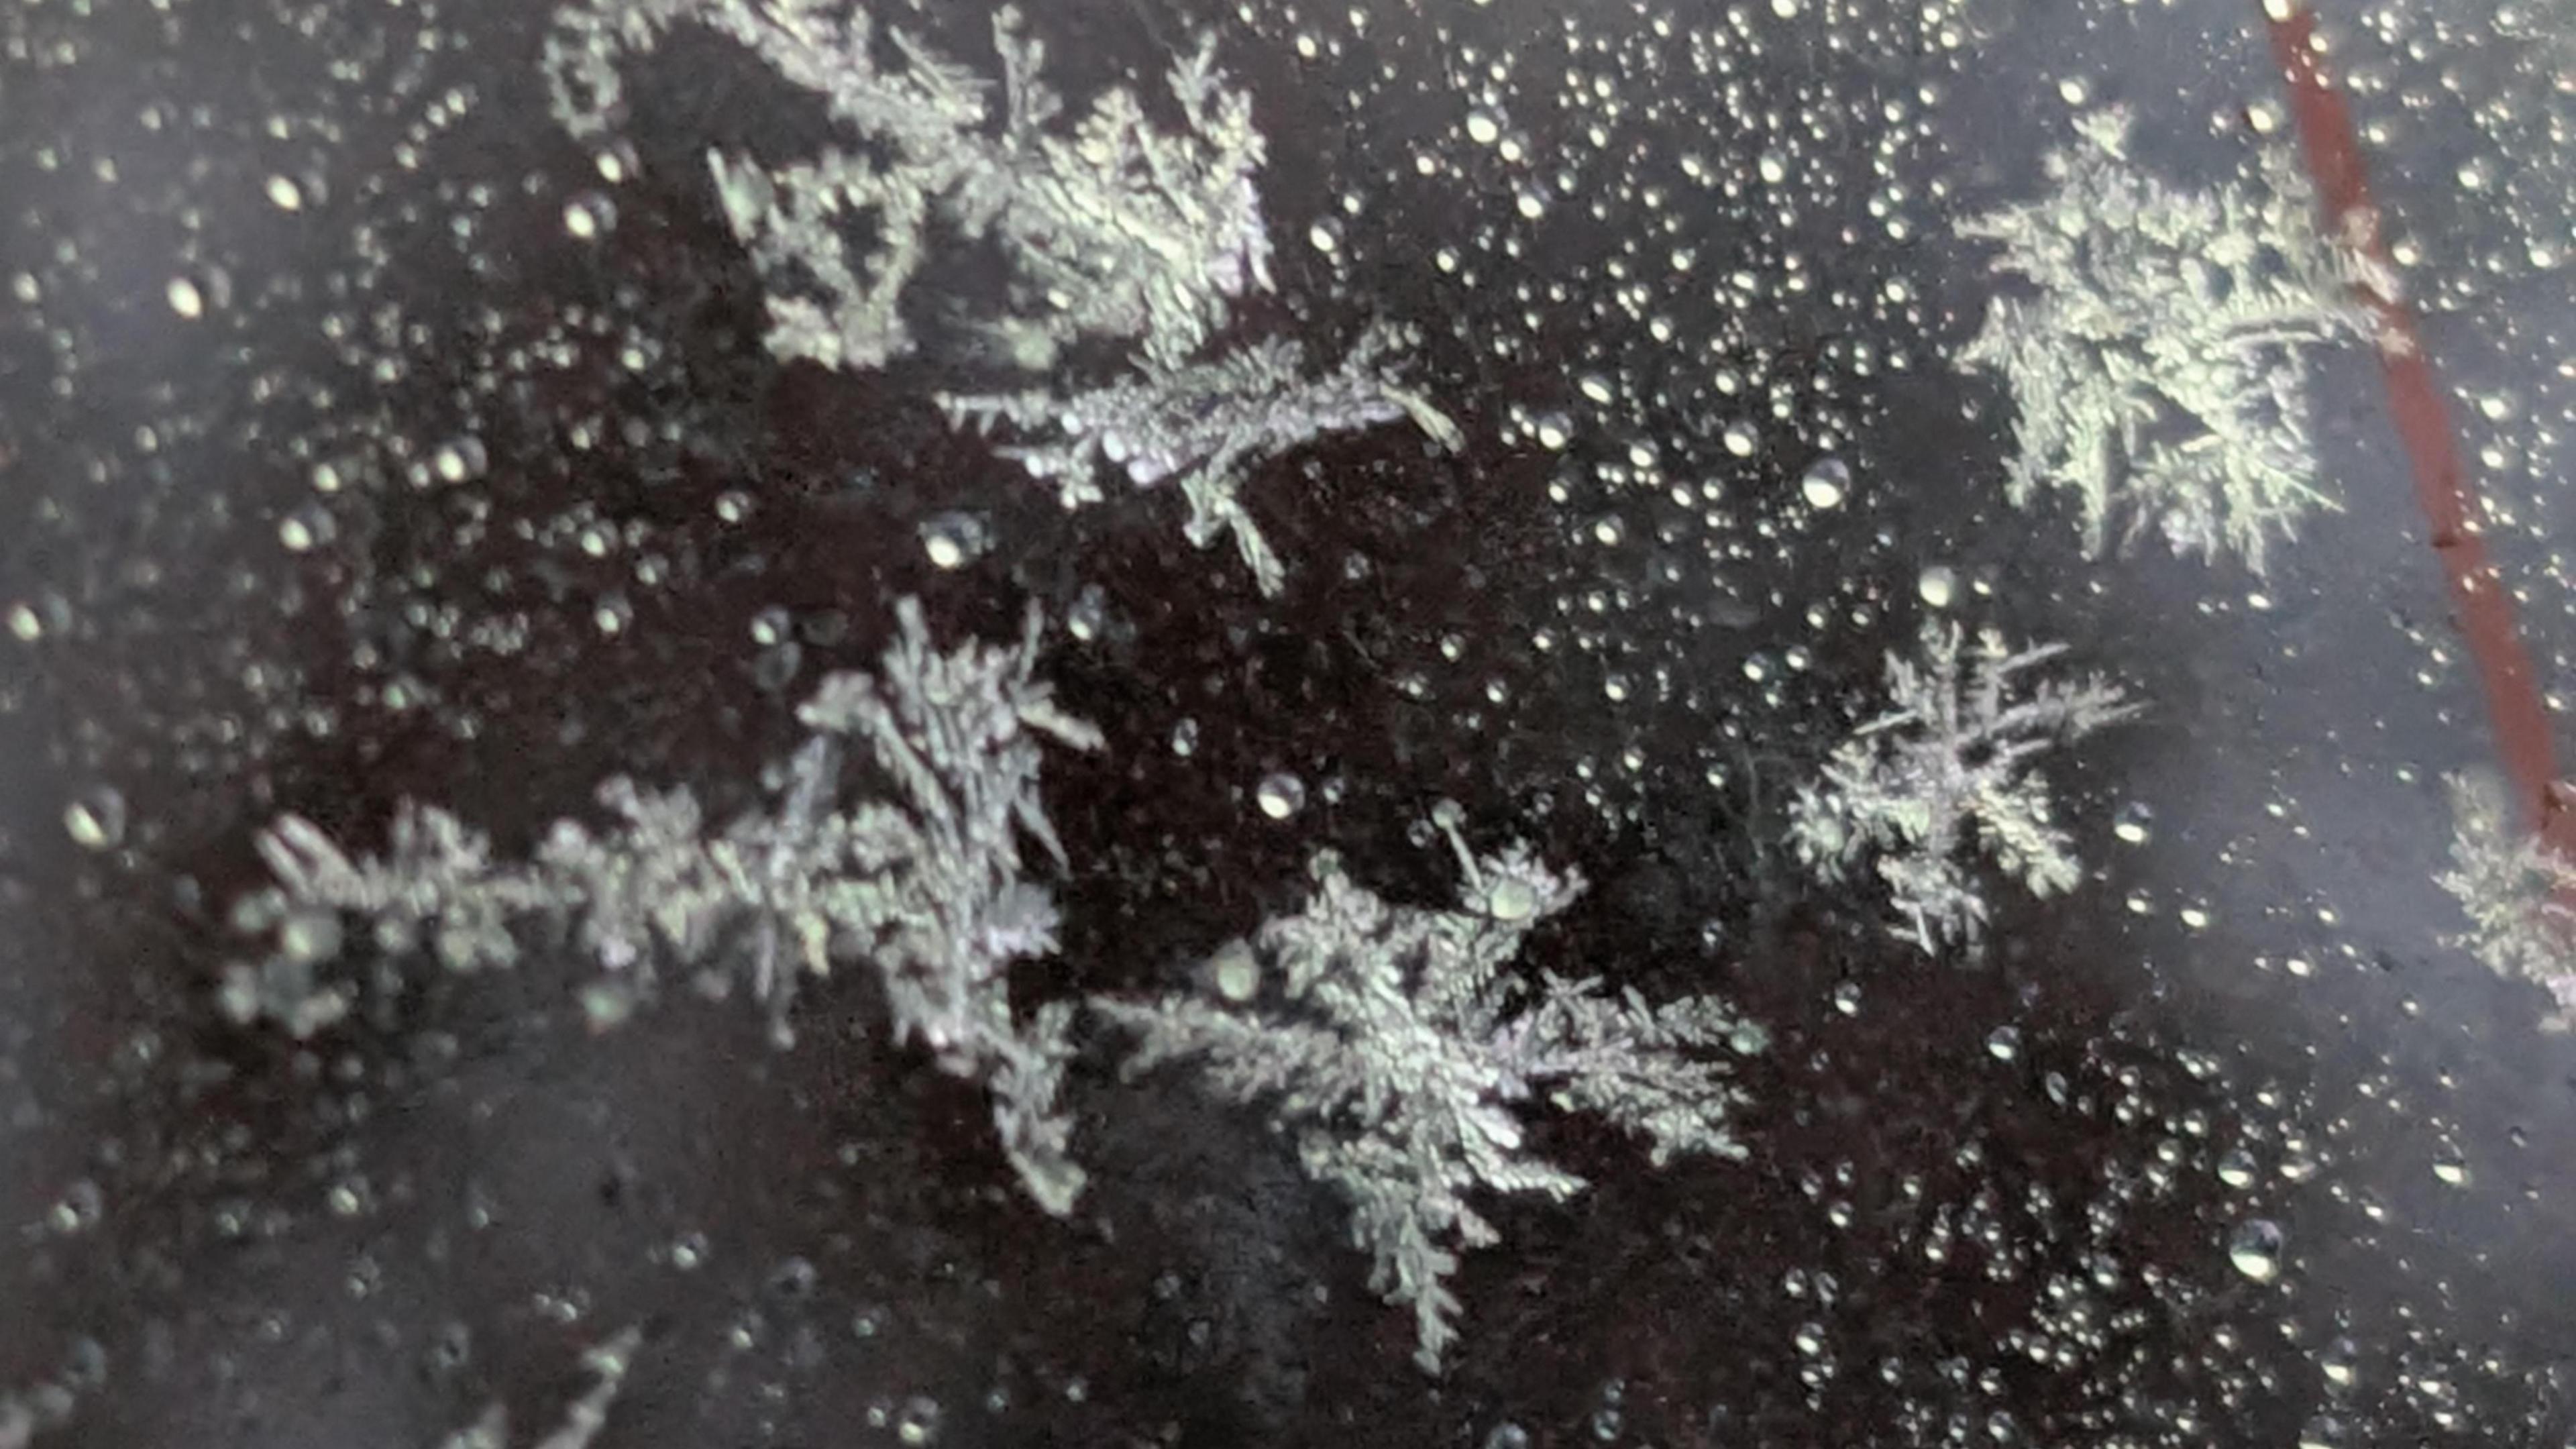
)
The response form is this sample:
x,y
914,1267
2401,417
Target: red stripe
x,y
2480,606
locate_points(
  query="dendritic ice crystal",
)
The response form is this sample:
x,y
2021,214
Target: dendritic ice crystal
x,y
2161,371
1110,228
1204,424
1400,1049
1945,772
917,871
2519,896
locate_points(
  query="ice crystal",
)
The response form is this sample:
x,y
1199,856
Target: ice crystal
x,y
918,873
1945,771
2162,369
1398,1047
1204,425
1112,226
2519,896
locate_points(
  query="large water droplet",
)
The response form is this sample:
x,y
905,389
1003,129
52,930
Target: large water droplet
x,y
2255,1249
1827,482
96,821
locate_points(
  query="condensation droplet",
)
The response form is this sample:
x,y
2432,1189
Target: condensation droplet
x,y
96,821
1483,128
284,194
2450,1166
2255,1249
589,216
185,299
2133,823
1742,438
1280,795
1826,482
1185,738
1938,585
2004,1043
459,460
953,540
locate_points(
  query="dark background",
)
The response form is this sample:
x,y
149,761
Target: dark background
x,y
1985,1202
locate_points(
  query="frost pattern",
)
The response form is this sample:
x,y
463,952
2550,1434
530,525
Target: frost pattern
x,y
1204,424
1111,228
2162,369
1951,756
1397,1047
2519,896
921,875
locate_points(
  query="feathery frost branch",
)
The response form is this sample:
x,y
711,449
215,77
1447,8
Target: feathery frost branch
x,y
922,878
1398,1047
1205,424
1947,770
2519,896
2162,368
1112,227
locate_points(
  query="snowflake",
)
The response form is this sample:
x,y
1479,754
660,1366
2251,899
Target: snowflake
x,y
1394,1043
1205,424
2163,365
2519,896
922,877
1948,756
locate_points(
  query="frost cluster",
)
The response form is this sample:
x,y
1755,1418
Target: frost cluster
x,y
2161,371
1111,227
1944,772
917,871
1204,424
1402,1051
2519,896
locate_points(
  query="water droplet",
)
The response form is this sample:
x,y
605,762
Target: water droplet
x,y
589,216
79,1208
1826,482
954,539
1235,971
2340,1362
1325,236
1089,615
185,299
1511,899
1742,438
1553,431
2004,1043
1846,998
2450,1166
96,821
2133,823
1185,738
2236,1167
1530,202
689,1251
1938,586
1507,1435
459,460
919,1422
1596,387
2255,1249
1280,795
284,194
1483,128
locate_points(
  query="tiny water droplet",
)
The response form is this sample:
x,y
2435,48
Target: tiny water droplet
x,y
2004,1043
459,459
1742,439
1280,795
96,821
1185,738
954,539
2133,823
589,216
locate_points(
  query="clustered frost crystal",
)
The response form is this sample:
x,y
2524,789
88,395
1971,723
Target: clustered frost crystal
x,y
2519,896
1112,228
919,873
1402,1052
1945,772
2162,369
